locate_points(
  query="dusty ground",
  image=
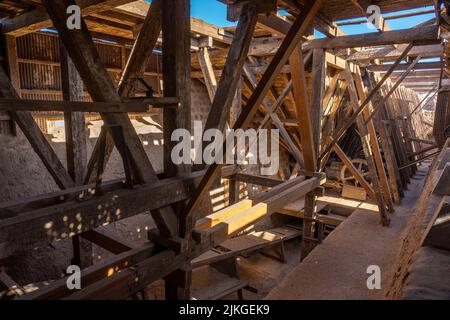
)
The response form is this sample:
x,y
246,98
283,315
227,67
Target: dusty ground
x,y
336,269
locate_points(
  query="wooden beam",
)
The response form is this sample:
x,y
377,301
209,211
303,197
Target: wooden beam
x,y
390,53
38,19
275,24
58,289
74,122
142,51
32,225
424,35
395,86
134,105
36,138
208,72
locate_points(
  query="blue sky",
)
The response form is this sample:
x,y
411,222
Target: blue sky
x,y
215,12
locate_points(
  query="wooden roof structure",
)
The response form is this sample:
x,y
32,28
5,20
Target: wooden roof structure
x,y
335,98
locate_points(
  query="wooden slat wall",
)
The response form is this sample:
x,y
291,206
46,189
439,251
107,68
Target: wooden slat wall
x,y
40,72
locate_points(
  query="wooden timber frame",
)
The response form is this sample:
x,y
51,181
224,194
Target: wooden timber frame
x,y
329,102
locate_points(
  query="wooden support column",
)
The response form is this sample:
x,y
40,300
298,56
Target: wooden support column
x,y
74,122
374,143
319,72
364,133
310,119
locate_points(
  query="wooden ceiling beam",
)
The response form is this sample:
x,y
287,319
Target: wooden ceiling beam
x,y
38,19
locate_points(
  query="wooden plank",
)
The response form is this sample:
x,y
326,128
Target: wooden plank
x,y
36,138
275,24
247,217
74,122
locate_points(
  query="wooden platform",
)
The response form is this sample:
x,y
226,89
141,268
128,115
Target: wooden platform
x,y
247,244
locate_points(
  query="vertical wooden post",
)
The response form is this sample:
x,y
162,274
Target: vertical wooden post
x,y
233,184
176,28
72,89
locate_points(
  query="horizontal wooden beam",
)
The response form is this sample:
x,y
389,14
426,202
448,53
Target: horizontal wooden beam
x,y
134,105
404,66
391,53
428,35
38,19
73,217
58,289
108,240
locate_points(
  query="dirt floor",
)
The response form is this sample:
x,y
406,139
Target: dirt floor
x,y
336,269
